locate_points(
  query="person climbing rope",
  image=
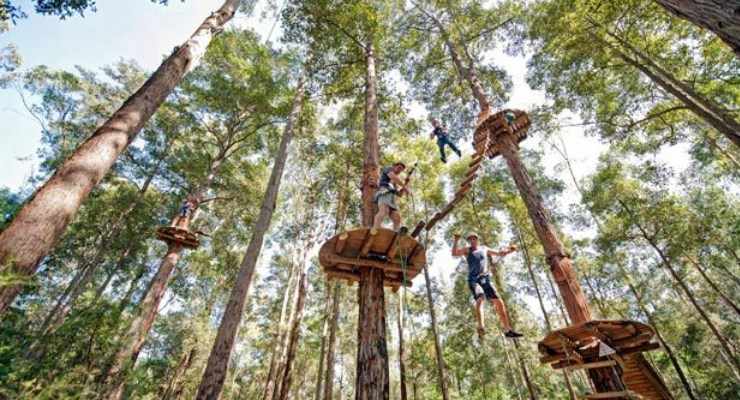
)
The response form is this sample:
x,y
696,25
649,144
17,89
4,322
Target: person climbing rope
x,y
479,281
443,139
390,186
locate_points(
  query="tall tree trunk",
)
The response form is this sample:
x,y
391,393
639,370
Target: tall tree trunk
x,y
441,373
279,339
469,74
669,351
331,345
712,284
215,372
126,300
293,336
281,354
725,350
372,382
43,219
137,333
533,277
324,333
401,350
719,16
115,377
66,302
174,387
704,108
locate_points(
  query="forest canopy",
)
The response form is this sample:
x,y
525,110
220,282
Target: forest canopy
x,y
212,227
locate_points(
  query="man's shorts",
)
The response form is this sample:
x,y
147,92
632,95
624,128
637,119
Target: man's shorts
x,y
387,198
482,286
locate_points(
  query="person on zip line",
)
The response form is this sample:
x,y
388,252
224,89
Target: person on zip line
x,y
390,186
479,280
443,139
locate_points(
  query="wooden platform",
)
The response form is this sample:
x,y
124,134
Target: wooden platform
x,y
608,344
496,125
171,234
490,127
397,255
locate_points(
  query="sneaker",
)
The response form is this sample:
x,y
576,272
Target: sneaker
x,y
512,334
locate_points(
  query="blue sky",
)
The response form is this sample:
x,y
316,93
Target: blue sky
x,y
120,29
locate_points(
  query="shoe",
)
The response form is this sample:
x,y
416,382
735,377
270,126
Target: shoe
x,y
377,256
512,334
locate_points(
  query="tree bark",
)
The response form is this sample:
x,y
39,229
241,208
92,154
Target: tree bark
x,y
441,373
719,16
324,334
215,373
174,388
136,335
294,336
401,352
279,340
372,382
43,219
533,277
331,345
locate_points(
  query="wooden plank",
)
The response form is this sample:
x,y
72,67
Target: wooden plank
x,y
613,395
592,365
468,180
417,229
368,242
362,262
337,273
341,243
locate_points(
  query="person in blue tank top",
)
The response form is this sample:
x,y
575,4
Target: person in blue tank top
x,y
479,281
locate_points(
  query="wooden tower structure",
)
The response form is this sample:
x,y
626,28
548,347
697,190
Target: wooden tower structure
x,y
610,351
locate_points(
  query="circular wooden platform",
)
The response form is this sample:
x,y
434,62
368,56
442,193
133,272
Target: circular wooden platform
x,y
172,234
397,255
491,127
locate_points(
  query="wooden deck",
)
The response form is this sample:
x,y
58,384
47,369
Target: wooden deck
x,y
495,125
171,234
399,256
608,344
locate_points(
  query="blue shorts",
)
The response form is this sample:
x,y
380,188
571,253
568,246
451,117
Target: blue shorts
x,y
481,286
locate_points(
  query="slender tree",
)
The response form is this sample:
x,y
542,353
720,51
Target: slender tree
x,y
214,375
46,215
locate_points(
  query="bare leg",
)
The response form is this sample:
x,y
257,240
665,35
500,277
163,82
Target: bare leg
x,y
380,216
479,313
503,316
396,218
